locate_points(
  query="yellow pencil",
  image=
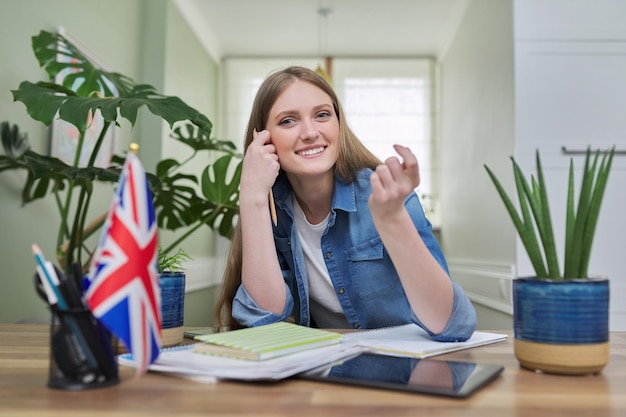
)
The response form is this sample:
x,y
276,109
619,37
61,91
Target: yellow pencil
x,y
271,194
273,208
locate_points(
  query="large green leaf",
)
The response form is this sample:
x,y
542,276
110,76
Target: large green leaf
x,y
46,174
216,186
199,139
43,101
62,59
14,143
174,196
220,205
80,88
223,191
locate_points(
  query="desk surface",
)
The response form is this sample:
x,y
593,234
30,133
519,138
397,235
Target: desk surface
x,y
517,392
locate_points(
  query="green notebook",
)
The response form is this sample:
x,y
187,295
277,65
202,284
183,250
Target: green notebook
x,y
265,342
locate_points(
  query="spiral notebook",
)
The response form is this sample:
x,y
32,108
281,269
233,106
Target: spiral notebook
x,y
265,342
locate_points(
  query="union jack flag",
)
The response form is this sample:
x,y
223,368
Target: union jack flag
x,y
123,292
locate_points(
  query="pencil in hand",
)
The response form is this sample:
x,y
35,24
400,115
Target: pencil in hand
x,y
271,194
273,208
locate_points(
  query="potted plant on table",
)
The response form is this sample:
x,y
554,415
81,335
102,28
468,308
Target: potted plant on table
x,y
172,282
561,320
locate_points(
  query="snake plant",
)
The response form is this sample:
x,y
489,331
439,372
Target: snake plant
x,y
533,221
181,200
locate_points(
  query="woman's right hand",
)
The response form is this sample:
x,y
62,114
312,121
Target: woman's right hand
x,y
260,272
260,165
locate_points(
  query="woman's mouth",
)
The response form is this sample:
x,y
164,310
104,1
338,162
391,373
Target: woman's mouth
x,y
311,152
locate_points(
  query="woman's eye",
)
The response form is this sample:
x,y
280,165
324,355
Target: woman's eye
x,y
323,114
286,121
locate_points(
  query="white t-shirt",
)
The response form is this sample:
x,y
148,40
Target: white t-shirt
x,y
325,307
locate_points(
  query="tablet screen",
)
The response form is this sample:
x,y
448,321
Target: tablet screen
x,y
427,376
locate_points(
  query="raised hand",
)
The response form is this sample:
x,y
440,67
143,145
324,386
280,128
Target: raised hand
x,y
392,182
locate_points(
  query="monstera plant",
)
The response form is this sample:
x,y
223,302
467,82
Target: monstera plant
x,y
181,200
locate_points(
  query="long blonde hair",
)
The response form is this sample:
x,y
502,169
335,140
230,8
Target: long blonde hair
x,y
353,156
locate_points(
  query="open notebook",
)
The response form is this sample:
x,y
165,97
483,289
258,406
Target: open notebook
x,y
413,341
278,339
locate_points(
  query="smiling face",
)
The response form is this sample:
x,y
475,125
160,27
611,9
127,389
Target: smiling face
x,y
304,128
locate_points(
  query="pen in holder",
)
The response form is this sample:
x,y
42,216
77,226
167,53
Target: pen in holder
x,y
82,351
81,356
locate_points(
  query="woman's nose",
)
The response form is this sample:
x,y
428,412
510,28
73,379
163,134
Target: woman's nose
x,y
309,131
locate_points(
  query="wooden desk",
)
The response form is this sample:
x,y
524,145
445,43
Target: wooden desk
x,y
517,392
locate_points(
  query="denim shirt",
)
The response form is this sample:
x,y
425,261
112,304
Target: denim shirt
x,y
365,280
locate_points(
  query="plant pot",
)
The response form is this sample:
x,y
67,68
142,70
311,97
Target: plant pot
x,y
172,307
561,327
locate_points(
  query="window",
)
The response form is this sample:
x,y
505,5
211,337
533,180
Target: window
x,y
386,101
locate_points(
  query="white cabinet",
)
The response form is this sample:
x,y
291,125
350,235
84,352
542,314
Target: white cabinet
x,y
570,92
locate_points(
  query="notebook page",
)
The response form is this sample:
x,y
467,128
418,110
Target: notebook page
x,y
412,341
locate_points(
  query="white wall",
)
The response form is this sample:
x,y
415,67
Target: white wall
x,y
477,128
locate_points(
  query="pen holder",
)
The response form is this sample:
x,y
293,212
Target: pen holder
x,y
81,352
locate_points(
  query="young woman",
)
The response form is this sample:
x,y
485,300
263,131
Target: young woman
x,y
351,247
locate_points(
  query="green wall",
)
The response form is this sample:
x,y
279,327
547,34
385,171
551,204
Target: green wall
x,y
191,74
147,40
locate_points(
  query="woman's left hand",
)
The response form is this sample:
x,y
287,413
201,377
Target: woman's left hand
x,y
392,182
425,282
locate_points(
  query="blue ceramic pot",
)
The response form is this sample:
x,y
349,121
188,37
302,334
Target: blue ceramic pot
x,y
172,306
564,312
561,326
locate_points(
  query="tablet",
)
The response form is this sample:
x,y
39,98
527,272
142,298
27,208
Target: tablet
x,y
424,376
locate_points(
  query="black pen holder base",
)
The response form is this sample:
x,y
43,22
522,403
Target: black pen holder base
x,y
83,354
